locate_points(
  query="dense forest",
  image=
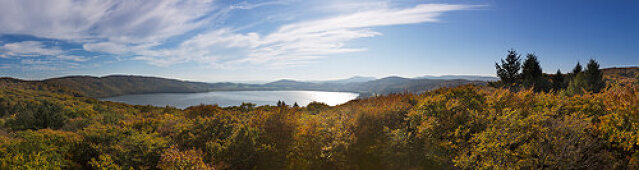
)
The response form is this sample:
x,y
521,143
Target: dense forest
x,y
528,120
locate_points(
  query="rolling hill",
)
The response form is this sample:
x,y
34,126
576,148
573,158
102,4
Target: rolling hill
x,y
116,85
623,75
121,85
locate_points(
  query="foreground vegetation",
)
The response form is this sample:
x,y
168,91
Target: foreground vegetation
x,y
465,127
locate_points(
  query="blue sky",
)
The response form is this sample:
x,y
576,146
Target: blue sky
x,y
215,41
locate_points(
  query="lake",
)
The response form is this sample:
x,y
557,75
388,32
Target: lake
x,y
235,98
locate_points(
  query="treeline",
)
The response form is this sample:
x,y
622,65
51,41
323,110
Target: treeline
x,y
469,127
515,75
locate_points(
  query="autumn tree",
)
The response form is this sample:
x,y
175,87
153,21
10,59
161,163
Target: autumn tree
x,y
173,158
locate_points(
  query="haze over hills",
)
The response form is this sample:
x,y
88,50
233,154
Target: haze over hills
x,y
354,79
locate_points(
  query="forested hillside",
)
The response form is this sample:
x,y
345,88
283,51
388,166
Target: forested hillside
x,y
117,85
628,74
468,127
122,85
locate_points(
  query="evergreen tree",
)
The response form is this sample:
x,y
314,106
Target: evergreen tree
x,y
281,103
508,71
594,77
532,73
576,70
39,116
558,81
590,79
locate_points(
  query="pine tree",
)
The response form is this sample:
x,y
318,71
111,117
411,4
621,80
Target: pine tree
x,y
576,70
594,77
558,81
508,71
532,73
281,103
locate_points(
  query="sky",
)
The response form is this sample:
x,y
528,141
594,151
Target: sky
x,y
244,41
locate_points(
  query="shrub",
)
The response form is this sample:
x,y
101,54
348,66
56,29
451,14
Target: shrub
x,y
39,116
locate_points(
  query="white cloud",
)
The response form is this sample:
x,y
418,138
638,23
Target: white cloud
x,y
126,28
28,48
245,5
6,66
207,48
116,20
73,58
34,62
295,43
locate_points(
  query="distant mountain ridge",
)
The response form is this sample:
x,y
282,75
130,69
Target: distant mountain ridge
x,y
116,85
465,77
354,79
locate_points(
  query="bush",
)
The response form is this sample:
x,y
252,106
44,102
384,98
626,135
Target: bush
x,y
173,158
39,116
42,149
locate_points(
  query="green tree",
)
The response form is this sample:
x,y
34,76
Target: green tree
x,y
577,70
39,116
577,85
558,81
508,71
589,80
532,73
594,77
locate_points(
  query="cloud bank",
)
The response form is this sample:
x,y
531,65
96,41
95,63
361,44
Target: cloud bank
x,y
141,30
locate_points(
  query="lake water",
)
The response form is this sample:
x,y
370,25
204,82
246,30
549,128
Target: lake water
x,y
235,98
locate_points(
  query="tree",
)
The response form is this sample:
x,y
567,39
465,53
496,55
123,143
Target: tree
x,y
281,103
508,71
173,158
315,107
576,70
247,106
39,116
531,73
577,85
594,77
589,80
558,81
